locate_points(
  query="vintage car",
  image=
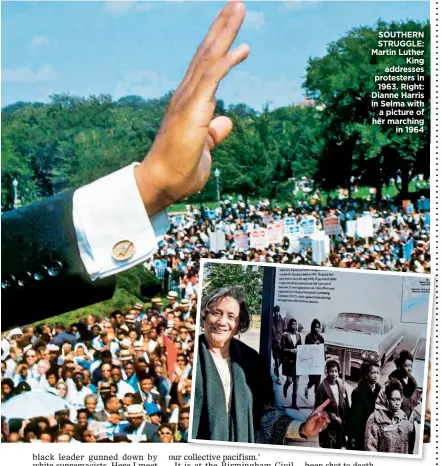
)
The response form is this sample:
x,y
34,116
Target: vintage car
x,y
357,337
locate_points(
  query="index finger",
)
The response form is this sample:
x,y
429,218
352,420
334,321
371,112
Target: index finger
x,y
320,408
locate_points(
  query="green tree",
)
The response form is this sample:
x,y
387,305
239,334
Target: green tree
x,y
249,277
344,80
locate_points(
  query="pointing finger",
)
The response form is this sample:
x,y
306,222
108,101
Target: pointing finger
x,y
320,408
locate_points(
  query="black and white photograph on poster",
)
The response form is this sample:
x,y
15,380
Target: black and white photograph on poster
x,y
307,357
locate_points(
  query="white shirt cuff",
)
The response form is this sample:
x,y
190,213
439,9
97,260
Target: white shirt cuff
x,y
108,211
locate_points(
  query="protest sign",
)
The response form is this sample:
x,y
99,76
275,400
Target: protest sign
x,y
295,232
409,208
331,225
275,232
407,250
217,241
294,244
291,227
365,226
241,240
310,359
308,225
351,226
427,219
320,248
258,238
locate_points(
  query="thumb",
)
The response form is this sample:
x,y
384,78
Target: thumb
x,y
219,128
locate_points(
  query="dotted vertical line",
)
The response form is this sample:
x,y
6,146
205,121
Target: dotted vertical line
x,y
435,215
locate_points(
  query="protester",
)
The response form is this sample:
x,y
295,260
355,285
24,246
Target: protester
x,y
388,429
314,338
332,388
277,330
403,374
290,340
139,376
363,404
187,240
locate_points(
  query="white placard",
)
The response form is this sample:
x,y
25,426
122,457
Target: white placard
x,y
351,226
365,226
217,241
258,238
241,239
275,232
310,360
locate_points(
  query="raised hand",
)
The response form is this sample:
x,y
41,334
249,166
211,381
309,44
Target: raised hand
x,y
179,161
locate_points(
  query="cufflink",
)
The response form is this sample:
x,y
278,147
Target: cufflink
x,y
123,250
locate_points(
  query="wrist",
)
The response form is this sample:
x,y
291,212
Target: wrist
x,y
153,197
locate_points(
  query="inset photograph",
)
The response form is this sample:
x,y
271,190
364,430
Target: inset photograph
x,y
308,357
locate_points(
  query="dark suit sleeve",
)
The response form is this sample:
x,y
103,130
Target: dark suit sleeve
x,y
42,271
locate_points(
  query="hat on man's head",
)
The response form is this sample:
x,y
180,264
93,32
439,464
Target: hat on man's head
x,y
135,410
104,386
184,302
125,343
138,345
172,295
52,347
129,319
15,332
138,306
156,301
124,355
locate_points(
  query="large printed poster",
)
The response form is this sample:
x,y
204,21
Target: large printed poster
x,y
350,346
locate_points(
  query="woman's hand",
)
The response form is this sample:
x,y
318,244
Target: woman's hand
x,y
317,421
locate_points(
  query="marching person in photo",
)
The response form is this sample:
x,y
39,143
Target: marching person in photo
x,y
290,340
234,398
314,338
362,404
388,429
332,388
403,373
277,330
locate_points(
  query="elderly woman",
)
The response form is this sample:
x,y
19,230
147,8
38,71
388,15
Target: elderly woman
x,y
234,398
388,429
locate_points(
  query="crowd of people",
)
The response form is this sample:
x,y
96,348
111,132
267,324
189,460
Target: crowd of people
x,y
128,377
188,239
122,378
373,417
